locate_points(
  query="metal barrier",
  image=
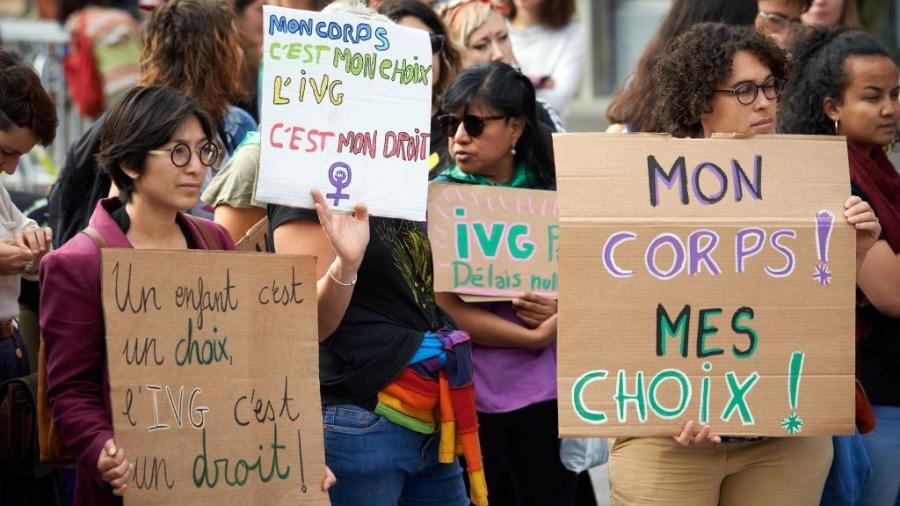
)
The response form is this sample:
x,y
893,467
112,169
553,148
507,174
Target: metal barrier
x,y
43,44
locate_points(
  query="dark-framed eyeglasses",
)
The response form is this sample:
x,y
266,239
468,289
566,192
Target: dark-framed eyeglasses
x,y
181,154
437,42
780,20
746,93
473,124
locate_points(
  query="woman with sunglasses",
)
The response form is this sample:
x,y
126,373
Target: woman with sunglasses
x,y
481,29
494,141
446,62
846,84
719,78
156,145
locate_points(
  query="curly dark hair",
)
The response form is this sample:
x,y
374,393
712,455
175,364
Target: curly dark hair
x,y
633,104
697,63
819,73
509,92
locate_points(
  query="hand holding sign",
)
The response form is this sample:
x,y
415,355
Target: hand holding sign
x,y
348,233
860,214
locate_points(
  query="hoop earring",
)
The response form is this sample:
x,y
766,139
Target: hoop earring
x,y
837,125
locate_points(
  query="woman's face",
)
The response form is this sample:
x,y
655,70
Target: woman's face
x,y
729,115
250,23
414,22
825,13
489,153
162,183
869,111
490,42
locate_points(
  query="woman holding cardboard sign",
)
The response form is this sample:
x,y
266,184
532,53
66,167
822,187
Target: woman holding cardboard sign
x,y
853,81
718,78
494,140
396,379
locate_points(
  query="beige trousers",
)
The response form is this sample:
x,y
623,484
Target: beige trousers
x,y
772,472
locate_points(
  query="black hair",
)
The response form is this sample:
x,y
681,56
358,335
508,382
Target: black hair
x,y
24,102
697,63
144,119
509,92
820,72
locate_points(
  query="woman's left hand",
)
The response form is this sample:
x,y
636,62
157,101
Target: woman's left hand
x,y
534,309
329,480
703,437
860,214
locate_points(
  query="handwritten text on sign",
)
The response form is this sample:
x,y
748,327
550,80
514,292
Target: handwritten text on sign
x,y
345,108
493,241
723,276
214,376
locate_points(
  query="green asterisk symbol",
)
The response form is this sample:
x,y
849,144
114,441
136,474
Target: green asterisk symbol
x,y
792,423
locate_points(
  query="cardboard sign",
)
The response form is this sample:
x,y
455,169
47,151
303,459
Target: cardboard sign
x,y
346,109
709,280
256,239
489,241
213,369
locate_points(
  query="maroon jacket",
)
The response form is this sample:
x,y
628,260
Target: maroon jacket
x,y
73,333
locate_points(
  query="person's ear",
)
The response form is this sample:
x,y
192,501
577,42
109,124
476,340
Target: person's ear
x,y
832,109
131,173
517,127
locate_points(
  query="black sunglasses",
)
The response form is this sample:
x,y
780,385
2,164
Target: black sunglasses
x,y
437,42
473,124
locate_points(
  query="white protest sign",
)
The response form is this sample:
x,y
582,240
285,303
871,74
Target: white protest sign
x,y
346,109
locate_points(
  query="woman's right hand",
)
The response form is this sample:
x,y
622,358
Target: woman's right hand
x,y
348,233
114,467
13,258
545,333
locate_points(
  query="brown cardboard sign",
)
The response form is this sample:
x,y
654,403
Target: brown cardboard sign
x,y
256,239
213,369
493,242
704,279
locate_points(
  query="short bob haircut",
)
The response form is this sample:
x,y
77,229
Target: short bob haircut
x,y
450,57
819,73
552,13
144,119
697,62
24,102
510,93
194,46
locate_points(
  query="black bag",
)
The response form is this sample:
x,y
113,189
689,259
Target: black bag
x,y
17,421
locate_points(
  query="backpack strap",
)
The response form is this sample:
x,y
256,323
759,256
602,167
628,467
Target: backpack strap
x,y
212,242
96,237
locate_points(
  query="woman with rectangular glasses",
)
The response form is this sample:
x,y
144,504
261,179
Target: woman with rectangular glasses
x,y
719,78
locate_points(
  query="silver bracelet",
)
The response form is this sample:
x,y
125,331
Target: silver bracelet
x,y
351,283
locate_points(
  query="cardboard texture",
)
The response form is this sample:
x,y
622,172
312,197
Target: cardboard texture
x,y
256,239
729,297
213,368
346,108
493,242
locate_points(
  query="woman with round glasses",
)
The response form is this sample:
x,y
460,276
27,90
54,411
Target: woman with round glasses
x,y
719,78
846,84
494,141
156,145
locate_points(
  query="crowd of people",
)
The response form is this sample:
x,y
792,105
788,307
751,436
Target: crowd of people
x,y
171,162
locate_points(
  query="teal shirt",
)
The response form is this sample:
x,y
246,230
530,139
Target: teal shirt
x,y
521,178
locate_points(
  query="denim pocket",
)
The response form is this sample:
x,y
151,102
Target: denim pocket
x,y
350,419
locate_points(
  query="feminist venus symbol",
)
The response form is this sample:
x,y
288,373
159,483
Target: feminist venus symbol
x,y
339,175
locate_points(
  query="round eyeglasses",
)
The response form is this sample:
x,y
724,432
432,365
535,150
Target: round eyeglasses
x,y
746,93
181,154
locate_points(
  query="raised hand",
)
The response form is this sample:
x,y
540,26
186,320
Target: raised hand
x,y
348,233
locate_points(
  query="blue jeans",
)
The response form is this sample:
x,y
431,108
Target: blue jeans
x,y
883,446
377,462
13,357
